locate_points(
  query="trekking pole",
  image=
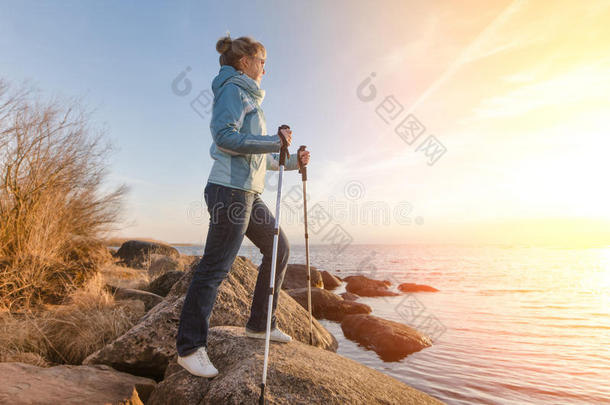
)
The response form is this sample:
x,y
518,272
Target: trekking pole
x,y
303,171
276,235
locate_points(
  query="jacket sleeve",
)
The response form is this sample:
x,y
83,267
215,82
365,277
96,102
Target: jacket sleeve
x,y
227,118
273,162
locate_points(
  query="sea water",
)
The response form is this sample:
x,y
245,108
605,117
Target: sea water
x,y
510,324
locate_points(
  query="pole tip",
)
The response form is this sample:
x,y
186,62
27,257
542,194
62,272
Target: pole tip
x,y
261,399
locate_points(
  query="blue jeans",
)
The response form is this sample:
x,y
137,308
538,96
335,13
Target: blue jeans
x,y
233,214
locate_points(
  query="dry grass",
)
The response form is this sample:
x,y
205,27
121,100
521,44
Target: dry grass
x,y
52,207
125,277
185,262
85,321
21,341
68,333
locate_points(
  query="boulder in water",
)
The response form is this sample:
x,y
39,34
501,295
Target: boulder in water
x,y
367,287
412,287
330,282
392,341
348,296
296,277
326,305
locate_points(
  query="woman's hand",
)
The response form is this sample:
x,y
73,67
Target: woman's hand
x,y
287,135
304,157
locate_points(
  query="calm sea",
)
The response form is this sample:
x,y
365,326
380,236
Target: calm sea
x,y
511,325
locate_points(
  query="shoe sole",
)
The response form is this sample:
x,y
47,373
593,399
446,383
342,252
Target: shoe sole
x,y
194,373
262,336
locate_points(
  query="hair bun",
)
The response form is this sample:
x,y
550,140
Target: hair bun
x,y
224,44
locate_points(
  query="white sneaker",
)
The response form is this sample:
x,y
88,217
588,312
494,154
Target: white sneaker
x,y
198,363
276,335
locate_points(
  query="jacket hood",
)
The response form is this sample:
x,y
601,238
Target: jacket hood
x,y
228,74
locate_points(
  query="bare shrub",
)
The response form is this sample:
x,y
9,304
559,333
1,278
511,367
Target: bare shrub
x,y
53,209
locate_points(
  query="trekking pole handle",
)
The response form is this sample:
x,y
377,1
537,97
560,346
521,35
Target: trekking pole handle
x,y
284,148
302,166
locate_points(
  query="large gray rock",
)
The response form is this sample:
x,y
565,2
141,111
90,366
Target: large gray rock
x,y
161,264
326,305
367,287
297,374
26,384
391,340
137,253
147,347
164,283
296,277
181,387
330,282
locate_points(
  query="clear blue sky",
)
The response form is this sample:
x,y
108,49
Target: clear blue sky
x,y
443,61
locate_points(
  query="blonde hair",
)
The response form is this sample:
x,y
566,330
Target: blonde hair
x,y
232,50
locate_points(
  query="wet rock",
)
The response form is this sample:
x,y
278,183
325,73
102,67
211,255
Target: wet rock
x,y
367,287
412,287
296,277
391,340
348,296
330,282
326,305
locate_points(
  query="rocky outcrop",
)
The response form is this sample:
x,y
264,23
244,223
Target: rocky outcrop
x,y
297,374
367,287
391,340
296,277
326,305
26,384
330,282
147,347
137,254
412,287
164,283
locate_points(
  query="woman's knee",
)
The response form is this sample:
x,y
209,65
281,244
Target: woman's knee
x,y
210,274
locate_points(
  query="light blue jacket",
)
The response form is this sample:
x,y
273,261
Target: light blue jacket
x,y
242,149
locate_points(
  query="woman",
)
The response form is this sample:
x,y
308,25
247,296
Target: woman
x,y
242,151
